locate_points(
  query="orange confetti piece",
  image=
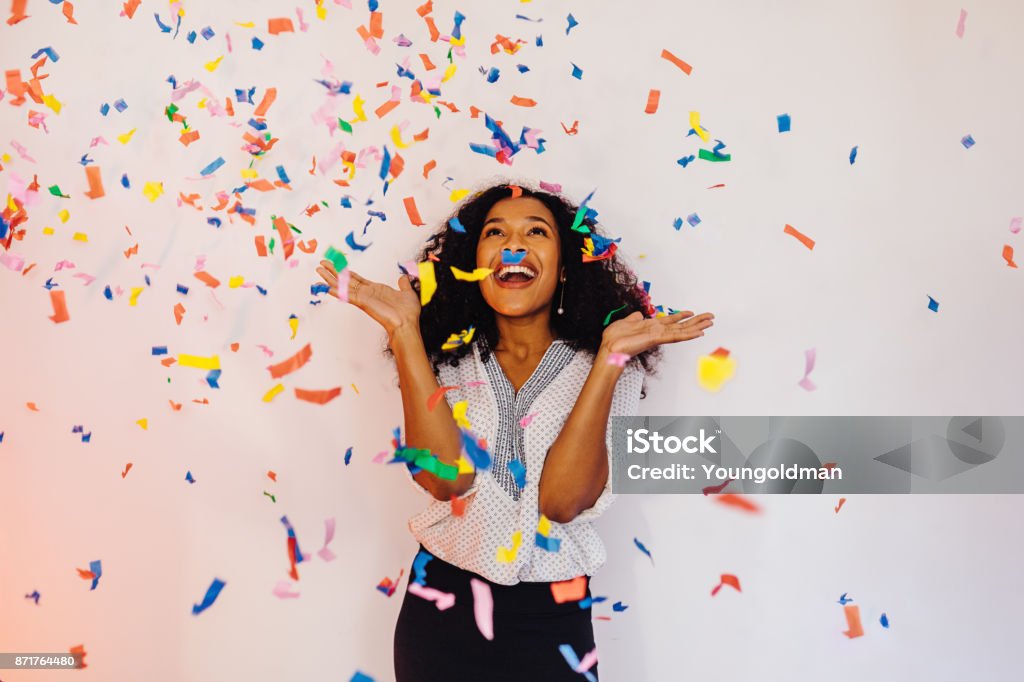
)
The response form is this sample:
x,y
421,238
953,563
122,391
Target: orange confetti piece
x,y
458,505
517,191
572,131
268,98
234,347
427,167
179,312
127,468
720,352
727,579
569,590
167,362
60,306
92,174
804,239
318,397
69,12
175,406
130,7
272,476
280,25
32,406
842,500
427,64
737,501
432,27
189,137
1008,255
376,24
84,574
853,625
207,279
17,12
523,101
435,397
383,109
426,8
653,97
80,651
291,364
665,54
286,236
414,213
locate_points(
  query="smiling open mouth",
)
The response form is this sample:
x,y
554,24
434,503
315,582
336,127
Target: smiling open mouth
x,y
515,273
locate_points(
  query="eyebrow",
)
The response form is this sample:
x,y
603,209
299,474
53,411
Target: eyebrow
x,y
528,218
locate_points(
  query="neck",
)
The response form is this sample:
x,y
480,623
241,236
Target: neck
x,y
523,337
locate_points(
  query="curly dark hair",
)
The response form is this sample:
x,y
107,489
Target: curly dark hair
x,y
592,289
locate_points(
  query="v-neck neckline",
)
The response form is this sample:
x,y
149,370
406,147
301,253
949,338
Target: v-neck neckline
x,y
533,375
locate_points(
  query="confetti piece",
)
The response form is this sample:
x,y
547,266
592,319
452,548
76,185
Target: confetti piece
x,y
387,586
318,397
884,620
35,596
443,600
78,650
189,477
653,98
569,590
574,662
738,501
475,276
412,211
348,455
506,555
577,72
809,357
283,590
618,359
459,414
198,362
211,595
527,420
933,305
435,397
619,606
643,549
715,369
727,579
686,68
357,676
572,23
843,599
127,468
324,552
280,25
153,190
1015,225
456,225
804,239
291,364
716,489
1008,255
483,607
144,423
960,23
853,626
94,573
92,176
697,128
853,154
523,101
784,123
842,501
428,281
967,141
60,307
212,166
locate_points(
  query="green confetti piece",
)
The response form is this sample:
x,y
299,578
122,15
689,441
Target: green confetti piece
x,y
345,125
437,111
55,191
270,246
272,498
608,317
711,156
295,229
577,223
171,111
337,258
428,462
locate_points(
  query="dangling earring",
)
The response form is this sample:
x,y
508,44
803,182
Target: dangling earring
x,y
561,299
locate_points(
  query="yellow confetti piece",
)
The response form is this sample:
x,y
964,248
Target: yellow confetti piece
x,y
51,101
458,194
134,298
544,526
321,12
6,157
235,281
465,466
396,137
354,388
201,103
294,324
357,106
459,414
714,370
10,203
212,66
448,73
428,282
272,393
456,340
199,362
64,215
250,173
80,237
47,230
475,276
124,137
457,41
248,24
144,423
508,555
695,124
152,190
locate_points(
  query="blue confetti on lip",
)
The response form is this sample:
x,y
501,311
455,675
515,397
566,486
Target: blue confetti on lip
x,y
509,258
853,155
784,123
967,141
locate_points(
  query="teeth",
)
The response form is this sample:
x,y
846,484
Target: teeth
x,y
510,269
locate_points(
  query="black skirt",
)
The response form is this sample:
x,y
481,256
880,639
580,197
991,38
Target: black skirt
x,y
529,627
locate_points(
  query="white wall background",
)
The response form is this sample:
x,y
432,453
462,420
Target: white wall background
x,y
917,215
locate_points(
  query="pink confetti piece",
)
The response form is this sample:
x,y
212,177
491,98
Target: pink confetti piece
x,y
380,457
98,140
89,279
483,607
443,600
960,24
269,353
200,263
154,266
618,359
809,357
587,662
22,151
63,264
325,553
282,590
12,261
227,39
1015,225
343,280
525,421
474,384
303,26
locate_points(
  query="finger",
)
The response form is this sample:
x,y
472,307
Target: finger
x,y
675,317
329,266
330,277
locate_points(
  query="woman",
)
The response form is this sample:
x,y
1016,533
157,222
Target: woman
x,y
538,379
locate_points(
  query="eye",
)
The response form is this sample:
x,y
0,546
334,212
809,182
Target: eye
x,y
537,228
488,232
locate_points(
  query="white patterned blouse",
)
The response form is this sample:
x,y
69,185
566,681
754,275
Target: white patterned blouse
x,y
495,506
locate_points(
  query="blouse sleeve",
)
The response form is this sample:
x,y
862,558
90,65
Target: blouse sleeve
x,y
625,402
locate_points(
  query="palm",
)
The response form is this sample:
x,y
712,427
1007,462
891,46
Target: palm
x,y
635,334
389,306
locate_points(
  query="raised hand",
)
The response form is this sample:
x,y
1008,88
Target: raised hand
x,y
391,308
635,334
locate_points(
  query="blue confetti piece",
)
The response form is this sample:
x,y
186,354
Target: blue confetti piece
x,y
350,239
518,473
211,596
164,28
213,220
619,606
523,68
107,293
843,599
105,109
457,225
87,437
212,378
577,72
35,593
263,292
853,155
385,164
686,160
120,105
282,175
457,31
159,350
125,182
360,677
570,656
967,141
319,288
191,37
784,123
572,23
677,223
509,258
419,566
693,219
933,305
540,41
548,544
85,160
492,75
257,44
212,166
244,96
50,284
884,620
189,478
480,458
1,436
373,5
182,289
484,149
208,33
585,602
348,455
48,51
148,283
643,549
257,124
96,567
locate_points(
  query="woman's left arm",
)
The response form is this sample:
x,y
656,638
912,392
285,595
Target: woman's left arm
x,y
576,466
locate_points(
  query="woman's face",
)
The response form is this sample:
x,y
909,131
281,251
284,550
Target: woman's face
x,y
520,224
